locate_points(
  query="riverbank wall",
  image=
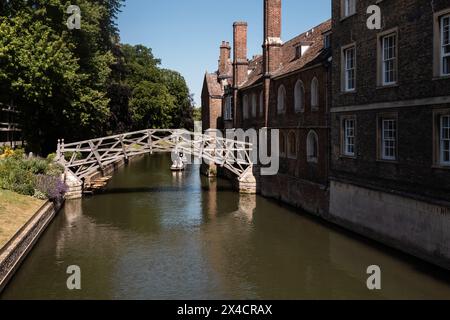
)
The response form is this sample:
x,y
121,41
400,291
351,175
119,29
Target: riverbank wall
x,y
16,250
414,226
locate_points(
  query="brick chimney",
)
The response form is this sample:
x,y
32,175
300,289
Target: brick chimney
x,y
224,60
240,61
272,35
271,48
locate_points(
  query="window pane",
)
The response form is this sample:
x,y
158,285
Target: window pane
x,y
349,69
349,137
445,140
389,57
389,139
445,45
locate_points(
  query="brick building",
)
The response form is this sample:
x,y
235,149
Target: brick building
x,y
390,118
364,135
213,90
285,88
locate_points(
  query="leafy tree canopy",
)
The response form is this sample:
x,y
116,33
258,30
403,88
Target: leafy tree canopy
x,y
77,84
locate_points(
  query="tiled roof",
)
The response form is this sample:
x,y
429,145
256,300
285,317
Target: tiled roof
x,y
314,54
214,86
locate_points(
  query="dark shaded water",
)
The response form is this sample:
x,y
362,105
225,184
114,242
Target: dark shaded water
x,y
158,235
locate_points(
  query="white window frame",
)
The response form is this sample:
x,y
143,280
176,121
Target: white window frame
x,y
444,138
349,7
389,141
387,60
349,70
444,56
347,137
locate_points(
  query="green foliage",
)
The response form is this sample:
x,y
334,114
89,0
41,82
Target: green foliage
x,y
19,174
81,84
157,98
151,105
197,114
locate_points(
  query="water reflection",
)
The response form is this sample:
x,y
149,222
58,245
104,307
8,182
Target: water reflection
x,y
157,235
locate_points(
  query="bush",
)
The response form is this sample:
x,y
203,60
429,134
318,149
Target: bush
x,y
15,176
6,152
51,157
52,187
68,155
32,177
54,170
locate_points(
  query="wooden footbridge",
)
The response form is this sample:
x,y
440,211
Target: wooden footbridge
x,y
85,158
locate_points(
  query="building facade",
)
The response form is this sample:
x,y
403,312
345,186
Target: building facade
x,y
285,88
363,116
390,120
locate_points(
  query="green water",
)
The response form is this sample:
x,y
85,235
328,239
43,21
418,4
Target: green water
x,y
157,235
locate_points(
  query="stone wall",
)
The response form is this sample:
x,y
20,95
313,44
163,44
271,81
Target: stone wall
x,y
410,225
309,196
15,251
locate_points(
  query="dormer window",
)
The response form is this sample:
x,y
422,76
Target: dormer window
x,y
301,49
327,41
298,52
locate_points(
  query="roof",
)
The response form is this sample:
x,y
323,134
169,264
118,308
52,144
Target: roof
x,y
213,84
289,63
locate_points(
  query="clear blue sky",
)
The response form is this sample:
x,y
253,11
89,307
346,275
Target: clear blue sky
x,y
186,34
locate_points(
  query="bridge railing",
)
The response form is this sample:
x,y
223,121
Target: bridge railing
x,y
86,157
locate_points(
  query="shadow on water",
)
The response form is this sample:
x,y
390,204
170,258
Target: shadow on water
x,y
153,234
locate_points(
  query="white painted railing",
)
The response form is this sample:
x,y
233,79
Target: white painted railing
x,y
84,158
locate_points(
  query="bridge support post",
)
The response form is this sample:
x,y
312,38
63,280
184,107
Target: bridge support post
x,y
75,186
247,182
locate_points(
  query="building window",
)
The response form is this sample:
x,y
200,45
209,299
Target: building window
x,y
314,94
298,52
445,140
299,96
327,41
292,145
281,103
388,139
445,45
228,109
245,106
348,137
312,147
349,69
349,7
254,105
282,145
261,104
389,59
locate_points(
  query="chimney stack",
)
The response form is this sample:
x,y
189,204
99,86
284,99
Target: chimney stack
x,y
240,62
272,35
224,60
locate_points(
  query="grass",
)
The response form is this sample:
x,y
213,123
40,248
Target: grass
x,y
15,211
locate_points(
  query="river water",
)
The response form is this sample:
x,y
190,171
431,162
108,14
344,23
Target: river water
x,y
154,234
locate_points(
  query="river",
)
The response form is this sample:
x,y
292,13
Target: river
x,y
154,234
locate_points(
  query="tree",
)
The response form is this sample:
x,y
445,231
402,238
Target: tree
x,y
151,106
40,73
80,84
